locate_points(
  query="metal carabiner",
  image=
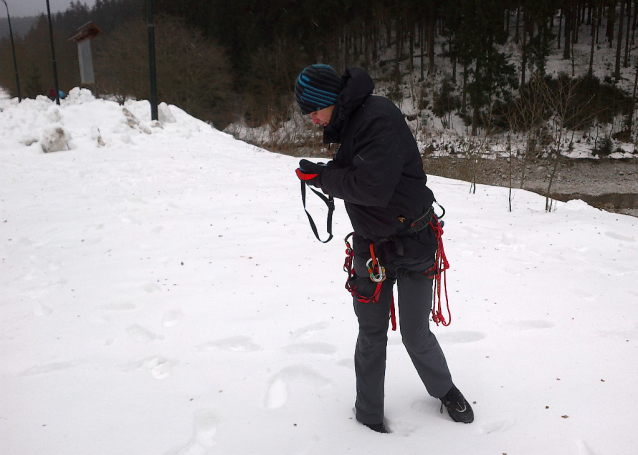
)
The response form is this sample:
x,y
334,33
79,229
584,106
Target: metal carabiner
x,y
442,208
379,277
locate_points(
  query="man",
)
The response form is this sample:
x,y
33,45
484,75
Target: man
x,y
378,172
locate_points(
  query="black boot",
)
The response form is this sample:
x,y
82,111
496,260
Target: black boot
x,y
457,406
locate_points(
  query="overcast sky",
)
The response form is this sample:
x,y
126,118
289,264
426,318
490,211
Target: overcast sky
x,y
21,8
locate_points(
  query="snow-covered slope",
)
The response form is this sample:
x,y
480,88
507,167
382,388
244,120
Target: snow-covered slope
x,y
162,293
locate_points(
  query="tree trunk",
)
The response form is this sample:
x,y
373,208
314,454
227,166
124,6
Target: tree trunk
x,y
599,14
611,19
518,16
399,41
431,26
454,62
422,37
560,27
576,23
557,158
627,42
464,97
474,99
621,20
593,45
345,47
630,121
568,27
524,56
411,48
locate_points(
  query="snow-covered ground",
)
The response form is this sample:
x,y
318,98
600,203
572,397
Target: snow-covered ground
x,y
162,293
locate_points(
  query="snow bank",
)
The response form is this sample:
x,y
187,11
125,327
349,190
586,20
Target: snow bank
x,y
84,122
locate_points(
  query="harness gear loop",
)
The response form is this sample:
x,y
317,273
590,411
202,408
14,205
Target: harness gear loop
x,y
329,201
439,268
378,278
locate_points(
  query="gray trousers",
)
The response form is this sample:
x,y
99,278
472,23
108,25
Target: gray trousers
x,y
414,305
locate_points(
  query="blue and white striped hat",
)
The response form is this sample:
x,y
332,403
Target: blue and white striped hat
x,y
318,86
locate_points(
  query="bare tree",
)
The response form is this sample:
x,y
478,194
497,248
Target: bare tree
x,y
568,114
527,116
192,72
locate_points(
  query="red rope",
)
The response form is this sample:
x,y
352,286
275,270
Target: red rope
x,y
438,269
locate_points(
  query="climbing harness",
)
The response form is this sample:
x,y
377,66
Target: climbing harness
x,y
377,275
329,201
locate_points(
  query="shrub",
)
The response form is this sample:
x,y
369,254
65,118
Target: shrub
x,y
604,147
445,101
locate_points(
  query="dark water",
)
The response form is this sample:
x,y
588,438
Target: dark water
x,y
603,201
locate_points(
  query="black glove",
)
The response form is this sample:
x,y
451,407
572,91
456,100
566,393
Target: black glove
x,y
310,172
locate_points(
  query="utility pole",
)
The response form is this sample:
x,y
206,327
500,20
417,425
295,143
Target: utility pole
x,y
13,49
55,66
151,60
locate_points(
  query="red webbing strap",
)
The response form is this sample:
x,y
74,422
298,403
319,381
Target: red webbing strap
x,y
441,264
393,316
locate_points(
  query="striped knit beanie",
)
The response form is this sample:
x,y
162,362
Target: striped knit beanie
x,y
318,86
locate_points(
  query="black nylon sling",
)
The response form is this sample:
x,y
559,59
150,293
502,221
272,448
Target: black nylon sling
x,y
329,201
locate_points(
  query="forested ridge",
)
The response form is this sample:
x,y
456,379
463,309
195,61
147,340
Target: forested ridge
x,y
496,65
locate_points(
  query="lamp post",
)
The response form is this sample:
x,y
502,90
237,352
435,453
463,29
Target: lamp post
x,y
151,58
55,67
13,49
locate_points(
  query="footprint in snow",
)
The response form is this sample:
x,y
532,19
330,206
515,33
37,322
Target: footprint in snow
x,y
583,294
621,237
583,448
48,368
151,287
308,331
466,336
236,344
426,406
142,335
41,310
310,348
204,432
495,426
625,333
158,367
172,318
528,325
278,387
347,362
122,306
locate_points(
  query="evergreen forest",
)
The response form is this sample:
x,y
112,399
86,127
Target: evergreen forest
x,y
537,68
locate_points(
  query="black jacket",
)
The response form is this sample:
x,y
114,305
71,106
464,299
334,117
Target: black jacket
x,y
377,168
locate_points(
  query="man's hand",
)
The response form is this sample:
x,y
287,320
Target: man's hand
x,y
310,172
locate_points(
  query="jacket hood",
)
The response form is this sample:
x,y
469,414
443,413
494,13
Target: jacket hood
x,y
358,87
